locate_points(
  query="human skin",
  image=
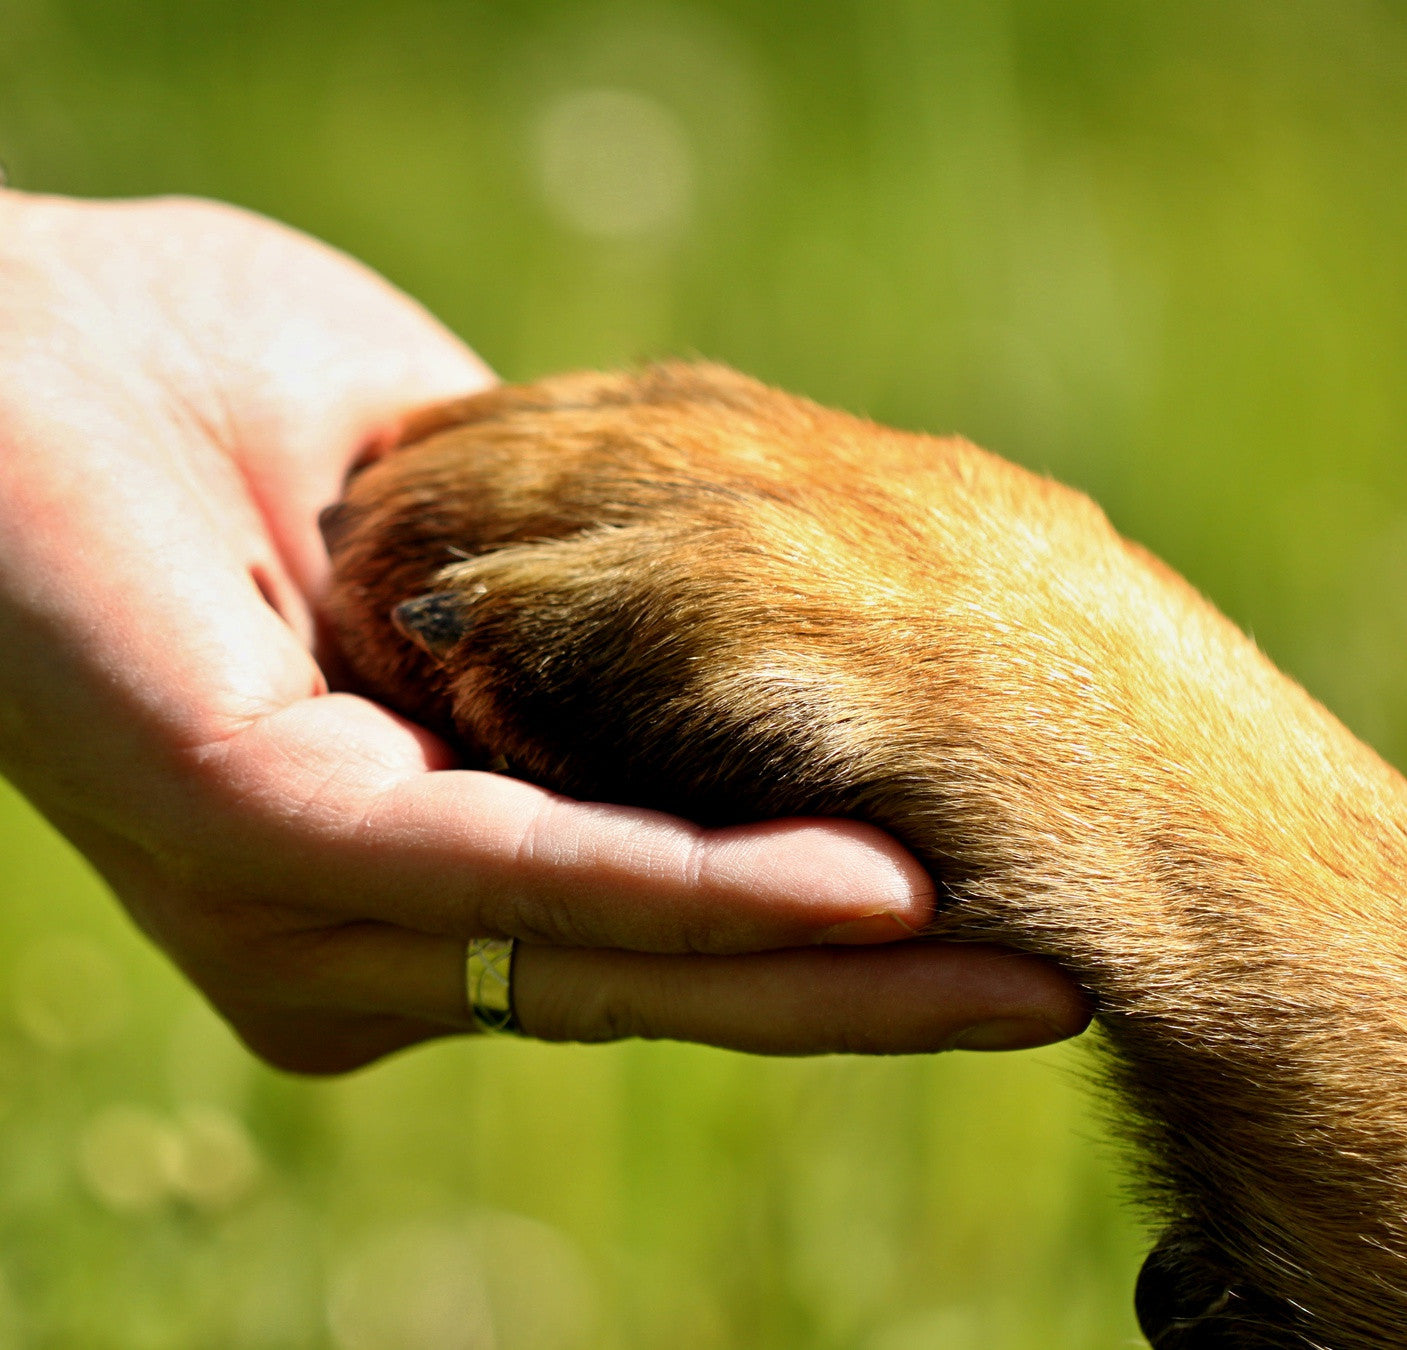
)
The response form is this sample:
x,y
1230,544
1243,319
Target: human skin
x,y
182,387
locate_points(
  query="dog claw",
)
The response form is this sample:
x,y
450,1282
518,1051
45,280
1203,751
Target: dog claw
x,y
435,622
334,522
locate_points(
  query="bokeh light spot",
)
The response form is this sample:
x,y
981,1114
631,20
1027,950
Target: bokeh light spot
x,y
127,1156
416,1287
217,1163
614,163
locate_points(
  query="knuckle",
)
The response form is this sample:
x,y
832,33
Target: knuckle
x,y
548,920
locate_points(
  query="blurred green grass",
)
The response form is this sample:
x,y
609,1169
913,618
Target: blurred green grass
x,y
1154,250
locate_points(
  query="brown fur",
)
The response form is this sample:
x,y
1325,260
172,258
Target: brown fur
x,y
682,589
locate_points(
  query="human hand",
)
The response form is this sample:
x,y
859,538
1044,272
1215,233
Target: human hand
x,y
182,387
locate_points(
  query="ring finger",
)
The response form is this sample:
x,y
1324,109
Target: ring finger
x,y
906,997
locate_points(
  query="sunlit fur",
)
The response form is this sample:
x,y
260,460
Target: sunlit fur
x,y
679,588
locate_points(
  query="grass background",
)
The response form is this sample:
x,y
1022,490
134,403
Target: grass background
x,y
1156,250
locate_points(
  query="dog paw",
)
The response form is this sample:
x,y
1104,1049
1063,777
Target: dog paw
x,y
570,577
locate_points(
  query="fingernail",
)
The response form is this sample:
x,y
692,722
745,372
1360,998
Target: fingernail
x,y
872,928
1006,1033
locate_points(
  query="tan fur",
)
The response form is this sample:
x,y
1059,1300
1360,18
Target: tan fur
x,y
682,589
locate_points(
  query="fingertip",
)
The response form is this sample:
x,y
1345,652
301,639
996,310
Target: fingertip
x,y
1008,1033
1030,989
1069,1009
865,931
854,883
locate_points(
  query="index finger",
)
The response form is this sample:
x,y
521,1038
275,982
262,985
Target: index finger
x,y
343,794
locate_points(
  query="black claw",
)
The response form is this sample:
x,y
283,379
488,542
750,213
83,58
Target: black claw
x,y
435,623
333,522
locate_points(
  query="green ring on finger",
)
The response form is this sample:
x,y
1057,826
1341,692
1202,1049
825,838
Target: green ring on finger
x,y
488,985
